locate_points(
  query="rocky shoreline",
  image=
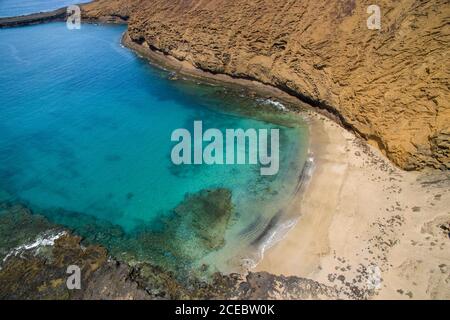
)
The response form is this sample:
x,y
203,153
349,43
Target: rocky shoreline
x,y
40,272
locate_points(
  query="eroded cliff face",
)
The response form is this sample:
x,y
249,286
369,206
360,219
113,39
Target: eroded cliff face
x,y
390,85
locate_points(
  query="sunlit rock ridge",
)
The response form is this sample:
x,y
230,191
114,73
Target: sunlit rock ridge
x,y
391,86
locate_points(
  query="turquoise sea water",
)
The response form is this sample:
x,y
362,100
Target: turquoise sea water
x,y
85,130
11,8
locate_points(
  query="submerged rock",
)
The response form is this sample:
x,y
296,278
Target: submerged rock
x,y
40,272
172,76
18,226
43,275
207,213
175,242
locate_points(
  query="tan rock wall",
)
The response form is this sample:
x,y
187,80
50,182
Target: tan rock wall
x,y
389,85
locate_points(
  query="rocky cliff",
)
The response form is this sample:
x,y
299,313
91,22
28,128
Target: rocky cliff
x,y
391,85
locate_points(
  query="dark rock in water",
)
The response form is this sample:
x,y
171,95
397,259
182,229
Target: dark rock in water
x,y
19,226
195,228
40,272
172,76
207,213
33,275
130,195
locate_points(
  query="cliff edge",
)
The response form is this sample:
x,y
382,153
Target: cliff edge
x,y
391,85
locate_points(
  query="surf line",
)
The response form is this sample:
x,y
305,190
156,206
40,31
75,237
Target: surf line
x,y
259,150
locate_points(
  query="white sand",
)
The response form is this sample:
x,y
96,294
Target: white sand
x,y
360,215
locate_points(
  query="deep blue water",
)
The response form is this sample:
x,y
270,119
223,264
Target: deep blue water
x,y
85,127
11,8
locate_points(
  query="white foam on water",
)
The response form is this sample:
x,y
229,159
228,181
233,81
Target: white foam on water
x,y
281,229
274,103
40,241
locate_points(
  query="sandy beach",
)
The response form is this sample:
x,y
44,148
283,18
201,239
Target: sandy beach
x,y
366,227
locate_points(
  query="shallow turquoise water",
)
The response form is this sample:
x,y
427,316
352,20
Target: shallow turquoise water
x,y
11,8
85,130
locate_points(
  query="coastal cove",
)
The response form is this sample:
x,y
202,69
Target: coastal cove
x,y
84,120
355,177
97,159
